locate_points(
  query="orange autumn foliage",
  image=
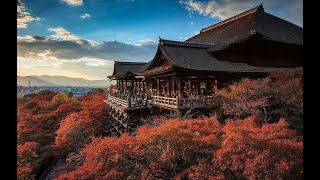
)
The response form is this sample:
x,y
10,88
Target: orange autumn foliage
x,y
89,100
77,129
245,98
38,123
193,149
254,151
26,153
68,135
162,151
169,149
270,98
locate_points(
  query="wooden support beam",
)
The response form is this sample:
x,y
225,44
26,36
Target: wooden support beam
x,y
136,85
143,86
126,85
122,86
173,87
169,87
220,84
215,86
197,86
131,89
158,86
207,85
179,88
190,86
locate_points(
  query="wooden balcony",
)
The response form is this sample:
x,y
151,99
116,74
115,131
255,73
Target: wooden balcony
x,y
123,102
119,101
182,103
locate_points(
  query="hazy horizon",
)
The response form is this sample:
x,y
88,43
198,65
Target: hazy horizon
x,y
64,76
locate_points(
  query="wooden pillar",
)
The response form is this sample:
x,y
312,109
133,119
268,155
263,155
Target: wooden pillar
x,y
215,86
131,86
207,85
173,85
117,84
218,84
158,86
126,85
122,86
179,88
143,86
169,87
198,86
190,86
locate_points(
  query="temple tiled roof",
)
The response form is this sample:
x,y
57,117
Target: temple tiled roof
x,y
124,68
249,23
182,55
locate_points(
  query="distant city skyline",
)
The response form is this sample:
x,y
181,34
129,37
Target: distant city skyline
x,y
82,38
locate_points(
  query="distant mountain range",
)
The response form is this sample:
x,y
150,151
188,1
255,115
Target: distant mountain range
x,y
58,81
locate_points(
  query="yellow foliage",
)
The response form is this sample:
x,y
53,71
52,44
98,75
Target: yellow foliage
x,y
64,99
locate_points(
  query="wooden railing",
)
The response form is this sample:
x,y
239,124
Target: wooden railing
x,y
131,101
175,103
118,101
165,101
182,103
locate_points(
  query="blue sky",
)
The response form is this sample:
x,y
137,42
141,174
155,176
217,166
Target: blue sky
x,y
132,22
121,20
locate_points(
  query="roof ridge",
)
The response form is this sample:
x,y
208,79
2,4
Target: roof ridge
x,y
126,62
184,44
233,18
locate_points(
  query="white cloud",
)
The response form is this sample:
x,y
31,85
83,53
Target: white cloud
x,y
222,9
29,38
91,61
30,63
87,68
93,43
44,54
24,17
85,16
183,38
26,38
73,2
60,54
63,34
146,41
68,46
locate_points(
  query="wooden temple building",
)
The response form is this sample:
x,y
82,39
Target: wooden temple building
x,y
185,75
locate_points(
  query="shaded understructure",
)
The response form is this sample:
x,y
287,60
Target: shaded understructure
x,y
186,75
